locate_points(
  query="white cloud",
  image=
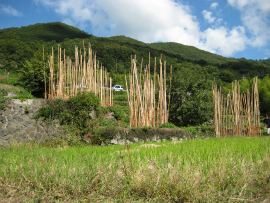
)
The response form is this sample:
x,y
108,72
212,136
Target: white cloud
x,y
68,21
208,16
150,21
10,11
225,41
214,5
255,16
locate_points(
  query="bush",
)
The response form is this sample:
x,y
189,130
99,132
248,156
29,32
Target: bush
x,y
168,125
200,130
109,123
3,99
121,113
78,111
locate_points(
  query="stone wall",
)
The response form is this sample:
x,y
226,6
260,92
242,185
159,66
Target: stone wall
x,y
125,135
17,123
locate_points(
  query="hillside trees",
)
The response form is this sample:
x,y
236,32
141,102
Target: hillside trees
x,y
264,95
191,98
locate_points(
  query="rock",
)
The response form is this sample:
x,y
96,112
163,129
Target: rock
x,y
155,138
114,141
92,114
19,119
30,129
3,119
7,137
122,142
9,125
11,94
109,116
32,135
3,143
3,132
174,138
31,115
10,118
40,129
39,136
11,130
28,123
136,139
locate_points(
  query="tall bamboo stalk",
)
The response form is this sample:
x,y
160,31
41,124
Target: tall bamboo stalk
x,y
141,95
82,75
238,114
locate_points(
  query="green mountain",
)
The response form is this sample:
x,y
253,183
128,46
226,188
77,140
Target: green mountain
x,y
192,53
46,32
19,44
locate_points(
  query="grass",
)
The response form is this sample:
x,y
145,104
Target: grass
x,y
12,85
209,170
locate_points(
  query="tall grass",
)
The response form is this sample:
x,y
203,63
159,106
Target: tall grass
x,y
213,170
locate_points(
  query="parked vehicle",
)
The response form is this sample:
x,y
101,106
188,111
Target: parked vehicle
x,y
118,88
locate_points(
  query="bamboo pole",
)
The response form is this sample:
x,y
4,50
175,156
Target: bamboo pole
x,y
82,75
237,115
45,94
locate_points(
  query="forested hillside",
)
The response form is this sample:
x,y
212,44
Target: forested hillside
x,y
194,70
18,44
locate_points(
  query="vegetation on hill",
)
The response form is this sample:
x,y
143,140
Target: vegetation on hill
x,y
194,70
266,61
46,32
192,53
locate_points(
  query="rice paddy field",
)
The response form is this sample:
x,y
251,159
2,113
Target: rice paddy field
x,y
202,170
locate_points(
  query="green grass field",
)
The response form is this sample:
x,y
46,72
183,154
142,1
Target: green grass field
x,y
208,170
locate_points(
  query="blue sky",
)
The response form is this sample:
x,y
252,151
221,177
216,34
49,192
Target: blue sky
x,y
231,28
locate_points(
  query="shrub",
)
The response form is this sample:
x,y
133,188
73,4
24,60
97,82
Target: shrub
x,y
168,125
77,111
109,123
3,99
120,113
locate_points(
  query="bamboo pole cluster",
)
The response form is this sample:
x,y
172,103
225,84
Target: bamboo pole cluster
x,y
145,108
238,113
68,78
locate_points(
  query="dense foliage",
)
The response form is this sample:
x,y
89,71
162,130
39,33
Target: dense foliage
x,y
32,75
194,70
77,111
191,98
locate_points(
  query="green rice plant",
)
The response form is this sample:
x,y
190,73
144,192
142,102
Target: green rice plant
x,y
208,170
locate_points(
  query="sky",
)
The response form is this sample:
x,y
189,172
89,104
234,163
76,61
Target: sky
x,y
231,28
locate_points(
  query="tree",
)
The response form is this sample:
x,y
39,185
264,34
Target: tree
x,y
264,94
32,75
191,99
